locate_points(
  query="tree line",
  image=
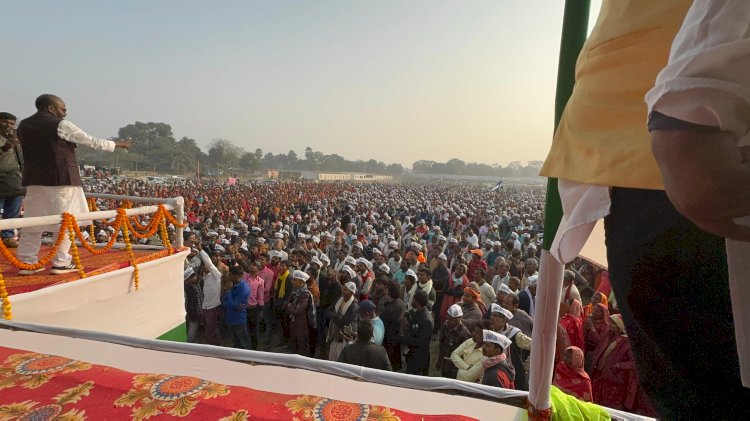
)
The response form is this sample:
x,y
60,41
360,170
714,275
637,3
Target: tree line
x,y
156,149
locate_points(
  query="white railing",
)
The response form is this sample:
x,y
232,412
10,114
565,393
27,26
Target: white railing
x,y
176,204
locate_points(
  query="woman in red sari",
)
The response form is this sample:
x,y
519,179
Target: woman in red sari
x,y
573,325
597,298
570,376
614,377
596,330
454,291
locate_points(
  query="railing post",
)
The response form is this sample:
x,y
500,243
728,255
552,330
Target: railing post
x,y
179,209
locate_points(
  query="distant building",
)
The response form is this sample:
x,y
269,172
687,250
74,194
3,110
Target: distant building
x,y
270,174
336,176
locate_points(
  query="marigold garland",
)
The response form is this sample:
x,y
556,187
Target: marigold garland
x,y
73,246
69,227
7,311
129,248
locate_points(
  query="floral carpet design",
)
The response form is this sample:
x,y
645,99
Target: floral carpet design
x,y
48,387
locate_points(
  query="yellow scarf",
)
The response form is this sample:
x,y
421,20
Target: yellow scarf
x,y
282,286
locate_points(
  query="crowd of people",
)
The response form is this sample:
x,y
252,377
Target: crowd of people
x,y
417,278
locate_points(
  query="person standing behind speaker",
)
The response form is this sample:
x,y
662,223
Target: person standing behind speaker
x,y
11,166
51,177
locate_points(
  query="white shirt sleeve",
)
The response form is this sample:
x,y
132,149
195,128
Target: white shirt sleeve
x,y
72,133
707,79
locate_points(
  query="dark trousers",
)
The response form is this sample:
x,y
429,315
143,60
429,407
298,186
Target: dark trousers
x,y
11,207
253,315
671,283
240,335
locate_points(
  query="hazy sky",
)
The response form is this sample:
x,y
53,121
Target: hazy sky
x,y
396,81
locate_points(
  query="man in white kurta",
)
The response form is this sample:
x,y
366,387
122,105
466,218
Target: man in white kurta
x,y
44,200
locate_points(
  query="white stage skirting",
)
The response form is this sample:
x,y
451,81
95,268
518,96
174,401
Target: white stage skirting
x,y
110,303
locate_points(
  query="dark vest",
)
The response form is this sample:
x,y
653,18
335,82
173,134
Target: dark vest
x,y
516,359
47,159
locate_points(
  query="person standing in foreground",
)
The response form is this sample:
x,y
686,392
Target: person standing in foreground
x,y
50,175
497,371
668,198
11,167
416,335
364,352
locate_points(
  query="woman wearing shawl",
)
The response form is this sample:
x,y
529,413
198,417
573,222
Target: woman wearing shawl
x,y
570,376
597,298
572,324
614,378
596,331
454,290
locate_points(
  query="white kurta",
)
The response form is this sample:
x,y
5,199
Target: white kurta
x,y
55,200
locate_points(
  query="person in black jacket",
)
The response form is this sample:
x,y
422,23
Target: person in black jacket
x,y
363,352
416,335
392,314
343,315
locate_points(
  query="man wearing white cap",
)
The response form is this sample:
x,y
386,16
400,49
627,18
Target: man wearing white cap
x,y
301,311
527,297
394,257
452,334
497,371
343,317
417,335
519,343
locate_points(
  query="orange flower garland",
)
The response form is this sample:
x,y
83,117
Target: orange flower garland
x,y
73,247
7,313
129,248
69,227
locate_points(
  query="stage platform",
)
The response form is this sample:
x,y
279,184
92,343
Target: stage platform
x,y
92,265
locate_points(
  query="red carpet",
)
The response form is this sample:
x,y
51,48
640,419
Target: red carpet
x,y
41,387
92,265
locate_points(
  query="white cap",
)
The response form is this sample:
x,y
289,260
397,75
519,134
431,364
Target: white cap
x,y
315,239
349,270
376,251
350,260
385,268
441,238
365,262
495,338
359,245
219,248
455,311
316,261
532,280
411,273
298,274
278,235
504,288
393,244
325,259
443,256
351,286
188,273
274,253
495,308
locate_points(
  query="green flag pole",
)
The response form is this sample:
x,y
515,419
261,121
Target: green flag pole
x,y
549,288
574,32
